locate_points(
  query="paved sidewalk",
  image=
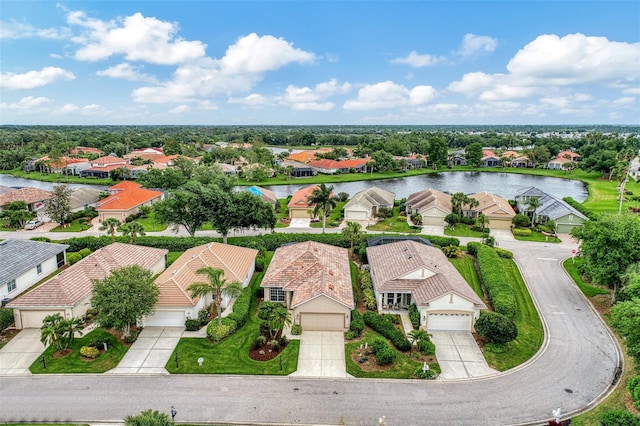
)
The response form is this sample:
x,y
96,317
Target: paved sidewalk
x,y
150,352
459,356
321,355
23,350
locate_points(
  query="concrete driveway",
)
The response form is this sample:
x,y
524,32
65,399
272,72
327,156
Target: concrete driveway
x,y
459,356
502,235
432,230
300,223
17,356
321,355
150,352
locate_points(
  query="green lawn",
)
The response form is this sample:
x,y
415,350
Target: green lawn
x,y
403,367
462,230
530,331
572,266
283,212
231,355
396,223
537,237
172,256
58,178
75,363
467,269
149,223
77,225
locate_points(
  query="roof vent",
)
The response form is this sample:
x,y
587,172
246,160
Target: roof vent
x,y
330,272
330,286
174,272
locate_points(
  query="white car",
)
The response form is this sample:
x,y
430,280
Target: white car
x,y
33,224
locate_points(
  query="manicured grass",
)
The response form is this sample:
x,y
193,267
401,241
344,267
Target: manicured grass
x,y
6,229
283,212
149,223
467,269
75,363
572,266
402,368
530,331
537,237
58,178
462,230
334,219
395,223
172,256
77,225
357,290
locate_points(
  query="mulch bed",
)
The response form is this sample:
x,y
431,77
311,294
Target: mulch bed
x,y
265,353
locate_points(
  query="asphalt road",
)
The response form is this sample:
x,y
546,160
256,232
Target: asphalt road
x,y
575,367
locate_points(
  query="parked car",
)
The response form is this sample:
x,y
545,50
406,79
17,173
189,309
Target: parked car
x,y
33,224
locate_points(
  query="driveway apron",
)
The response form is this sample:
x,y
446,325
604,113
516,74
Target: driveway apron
x,y
17,356
321,355
459,356
150,352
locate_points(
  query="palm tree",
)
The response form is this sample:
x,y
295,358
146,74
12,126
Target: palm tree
x,y
69,328
457,201
217,286
324,201
482,220
353,231
471,202
50,332
532,206
132,229
418,336
278,318
110,225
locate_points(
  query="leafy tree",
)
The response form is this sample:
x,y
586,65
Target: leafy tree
x,y
132,229
124,297
247,210
216,286
189,206
609,245
496,327
521,221
59,332
110,225
452,219
473,154
148,418
353,231
278,319
59,207
16,214
438,151
121,173
166,179
323,200
482,220
383,161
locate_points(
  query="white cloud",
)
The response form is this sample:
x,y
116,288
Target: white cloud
x,y
474,44
33,79
388,94
28,102
254,99
310,99
128,72
19,30
68,108
631,91
137,37
417,60
180,109
91,108
472,83
625,101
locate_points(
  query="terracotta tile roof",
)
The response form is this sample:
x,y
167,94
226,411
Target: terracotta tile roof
x,y
61,162
28,195
299,198
568,154
510,154
166,158
128,199
124,185
354,162
488,152
302,156
560,160
109,159
394,266
75,283
235,261
110,167
325,163
427,198
311,269
493,206
144,155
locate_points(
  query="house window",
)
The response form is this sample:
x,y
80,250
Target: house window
x,y
11,285
276,294
408,299
390,298
60,259
39,268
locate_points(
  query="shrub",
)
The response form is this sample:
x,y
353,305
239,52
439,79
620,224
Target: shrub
x,y
503,253
73,258
452,251
384,212
386,356
230,323
351,335
203,316
217,331
496,282
634,390
521,221
452,219
581,208
521,232
416,218
6,318
414,316
43,239
357,323
393,319
275,345
369,299
192,324
472,247
619,418
386,329
378,344
259,264
260,340
495,327
424,374
283,340
240,313
148,418
84,252
89,351
427,347
342,196
296,329
477,228
100,343
365,280
132,337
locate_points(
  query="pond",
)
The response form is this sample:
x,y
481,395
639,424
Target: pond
x,y
18,182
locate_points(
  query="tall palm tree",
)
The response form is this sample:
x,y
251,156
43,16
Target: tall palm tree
x,y
457,201
353,231
532,205
132,229
324,201
110,225
217,286
69,328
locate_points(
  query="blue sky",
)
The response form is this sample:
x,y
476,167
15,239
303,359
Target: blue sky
x,y
319,62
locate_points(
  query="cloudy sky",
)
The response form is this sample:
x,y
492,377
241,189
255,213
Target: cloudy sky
x,y
319,62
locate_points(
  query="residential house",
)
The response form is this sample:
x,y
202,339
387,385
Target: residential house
x,y
63,165
24,262
175,303
102,167
522,161
359,165
308,155
125,200
412,161
573,156
69,292
267,195
84,197
34,197
326,166
497,210
550,208
314,282
560,163
227,169
431,204
299,206
457,158
364,205
489,159
407,272
297,169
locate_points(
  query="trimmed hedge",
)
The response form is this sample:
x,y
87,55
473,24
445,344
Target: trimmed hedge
x,y
240,313
582,209
384,353
385,328
6,318
503,253
495,327
472,247
357,323
414,316
619,418
496,282
521,232
634,390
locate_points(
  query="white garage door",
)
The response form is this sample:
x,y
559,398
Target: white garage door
x,y
33,319
355,215
499,224
322,322
449,322
165,319
433,220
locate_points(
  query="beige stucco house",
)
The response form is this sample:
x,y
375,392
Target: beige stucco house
x,y
364,205
497,210
431,204
313,281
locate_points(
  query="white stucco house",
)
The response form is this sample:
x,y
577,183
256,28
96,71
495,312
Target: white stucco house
x,y
407,272
431,204
364,205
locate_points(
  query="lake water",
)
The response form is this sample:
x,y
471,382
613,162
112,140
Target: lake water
x,y
505,185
